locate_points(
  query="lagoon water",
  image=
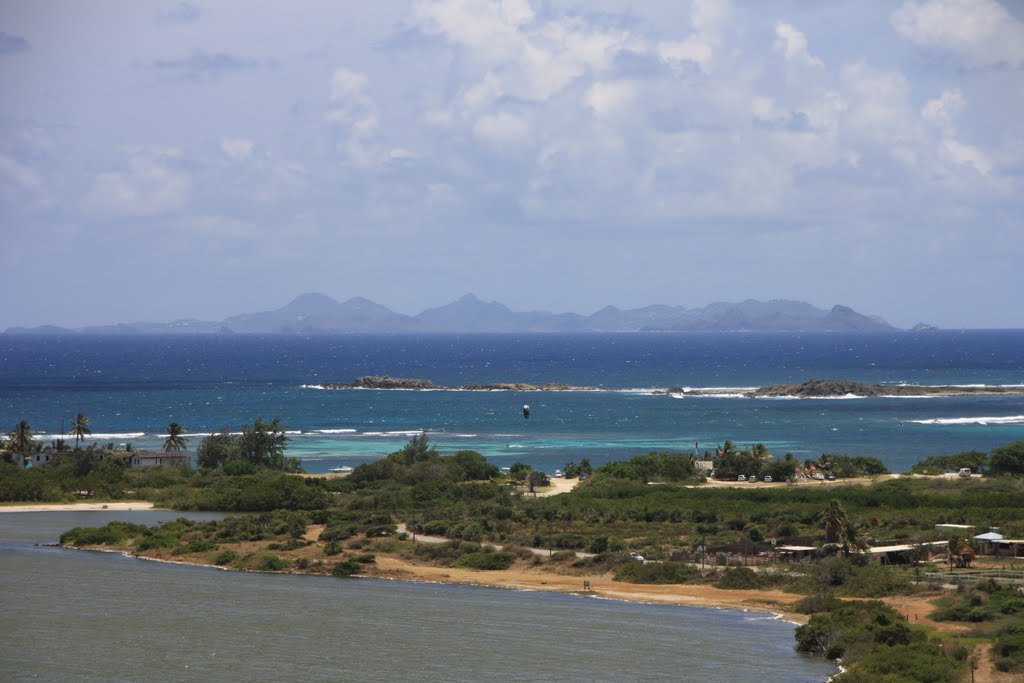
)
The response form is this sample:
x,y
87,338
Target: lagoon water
x,y
77,615
73,615
133,387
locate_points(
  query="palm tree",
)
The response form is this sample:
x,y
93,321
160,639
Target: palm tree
x,y
175,441
21,440
80,428
835,520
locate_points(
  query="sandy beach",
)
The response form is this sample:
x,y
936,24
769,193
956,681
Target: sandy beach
x,y
58,507
602,586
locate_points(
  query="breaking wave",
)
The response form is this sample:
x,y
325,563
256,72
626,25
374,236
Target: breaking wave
x,y
1006,420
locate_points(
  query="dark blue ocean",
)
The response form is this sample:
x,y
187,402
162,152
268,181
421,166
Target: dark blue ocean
x,y
133,387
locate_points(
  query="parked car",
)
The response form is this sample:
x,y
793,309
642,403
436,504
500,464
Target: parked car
x,y
636,557
830,476
742,477
752,477
965,472
767,478
819,476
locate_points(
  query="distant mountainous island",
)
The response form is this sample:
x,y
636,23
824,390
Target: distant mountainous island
x,y
320,314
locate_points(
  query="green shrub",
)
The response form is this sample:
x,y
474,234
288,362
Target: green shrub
x,y
812,604
335,534
157,540
271,563
346,568
226,557
524,553
332,548
739,578
302,563
486,560
197,546
365,558
655,572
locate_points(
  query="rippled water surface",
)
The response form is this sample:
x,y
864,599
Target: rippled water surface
x,y
133,387
76,615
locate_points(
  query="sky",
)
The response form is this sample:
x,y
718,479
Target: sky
x,y
165,160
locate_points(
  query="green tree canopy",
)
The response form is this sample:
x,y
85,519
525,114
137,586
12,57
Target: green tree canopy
x,y
20,438
1008,460
80,428
835,521
175,440
261,444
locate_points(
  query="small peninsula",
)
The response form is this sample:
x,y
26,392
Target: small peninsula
x,y
390,383
834,388
813,388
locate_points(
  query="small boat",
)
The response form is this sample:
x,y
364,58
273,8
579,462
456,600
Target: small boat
x,y
344,468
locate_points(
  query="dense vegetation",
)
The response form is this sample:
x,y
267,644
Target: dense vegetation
x,y
260,445
1005,461
615,511
875,643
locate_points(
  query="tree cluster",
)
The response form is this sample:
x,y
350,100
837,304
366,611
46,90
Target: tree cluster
x,y
260,445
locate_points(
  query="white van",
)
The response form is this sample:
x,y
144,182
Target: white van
x,y
965,472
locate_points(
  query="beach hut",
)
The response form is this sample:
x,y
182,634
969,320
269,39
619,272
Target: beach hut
x,y
903,553
144,459
1009,547
987,542
795,553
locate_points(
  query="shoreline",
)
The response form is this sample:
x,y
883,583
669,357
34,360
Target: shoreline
x,y
61,507
811,389
776,603
391,567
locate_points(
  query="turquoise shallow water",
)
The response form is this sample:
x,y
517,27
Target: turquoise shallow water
x,y
132,387
78,615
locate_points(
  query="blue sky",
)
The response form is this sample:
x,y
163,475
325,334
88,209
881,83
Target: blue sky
x,y
167,160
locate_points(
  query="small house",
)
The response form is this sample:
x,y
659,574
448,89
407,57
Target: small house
x,y
42,457
903,554
987,542
1009,547
145,459
795,553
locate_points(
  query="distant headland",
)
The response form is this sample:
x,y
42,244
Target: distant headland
x,y
814,388
320,314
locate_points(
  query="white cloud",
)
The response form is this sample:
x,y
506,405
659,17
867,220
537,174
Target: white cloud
x,y
502,129
982,31
347,85
944,110
968,155
148,186
237,149
877,109
792,44
17,178
606,97
355,111
679,54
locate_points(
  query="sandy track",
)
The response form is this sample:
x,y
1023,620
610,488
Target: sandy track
x,y
59,507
